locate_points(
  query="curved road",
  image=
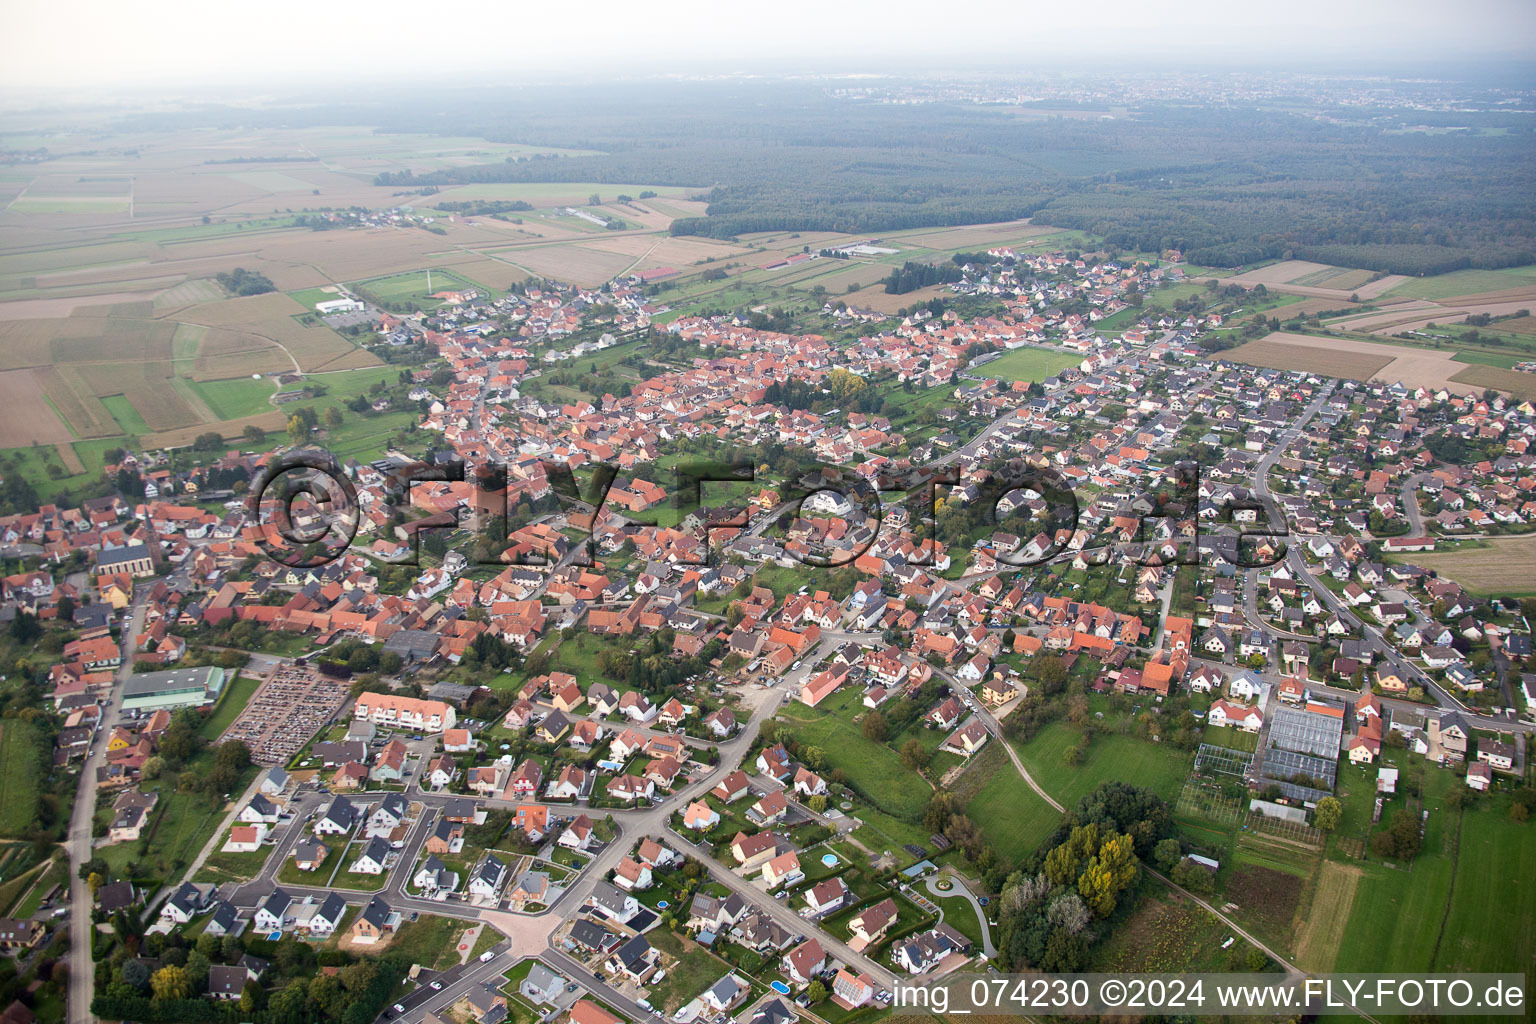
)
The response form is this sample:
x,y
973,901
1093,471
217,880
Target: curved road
x,y
970,897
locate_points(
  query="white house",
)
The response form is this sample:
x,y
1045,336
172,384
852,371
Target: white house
x,y
1245,686
1224,713
245,839
272,915
373,860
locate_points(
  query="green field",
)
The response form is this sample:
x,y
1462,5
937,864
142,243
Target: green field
x,y
1475,357
1492,920
1395,919
416,286
32,465
574,190
237,397
1016,821
1160,767
1031,364
231,702
577,656
873,769
1166,296
20,759
1399,915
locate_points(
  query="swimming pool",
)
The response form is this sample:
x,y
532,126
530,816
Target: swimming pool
x,y
829,860
779,987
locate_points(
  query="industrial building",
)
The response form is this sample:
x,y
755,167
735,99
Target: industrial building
x,y
177,688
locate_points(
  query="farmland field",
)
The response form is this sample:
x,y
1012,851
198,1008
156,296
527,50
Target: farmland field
x,y
862,274
1465,282
1334,277
1503,565
972,237
1489,925
1302,277
127,417
1312,355
1513,382
1323,931
1519,325
27,417
551,193
579,264
1399,910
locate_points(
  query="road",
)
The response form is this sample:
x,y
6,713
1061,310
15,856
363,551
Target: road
x,y
82,976
633,825
995,729
1410,496
1369,633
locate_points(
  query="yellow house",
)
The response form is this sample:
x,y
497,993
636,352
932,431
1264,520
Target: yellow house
x,y
116,590
120,740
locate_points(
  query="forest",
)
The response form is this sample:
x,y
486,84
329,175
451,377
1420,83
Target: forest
x,y
1227,186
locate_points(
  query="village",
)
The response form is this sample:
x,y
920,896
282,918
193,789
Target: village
x,y
759,745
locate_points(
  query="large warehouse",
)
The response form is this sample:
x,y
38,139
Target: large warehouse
x,y
176,688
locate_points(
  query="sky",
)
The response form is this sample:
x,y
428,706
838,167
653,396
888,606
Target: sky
x,y
101,47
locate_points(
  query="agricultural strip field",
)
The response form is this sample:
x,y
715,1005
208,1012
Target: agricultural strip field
x,y
26,417
1490,922
1323,931
1500,565
970,238
1513,382
862,274
117,370
553,193
21,757
1302,277
1363,360
578,264
1310,355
